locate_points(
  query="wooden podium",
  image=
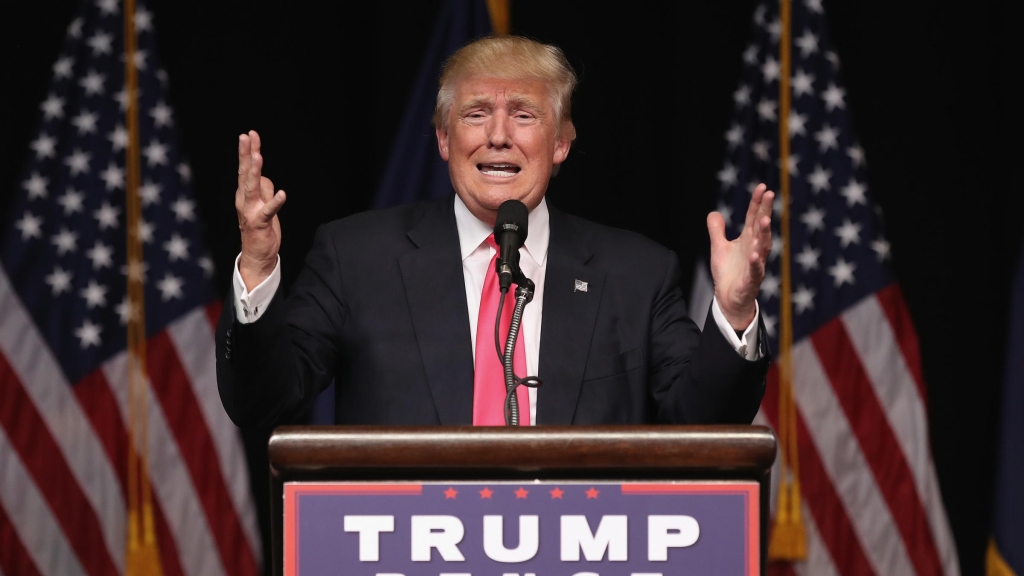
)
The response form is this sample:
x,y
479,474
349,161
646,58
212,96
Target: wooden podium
x,y
642,459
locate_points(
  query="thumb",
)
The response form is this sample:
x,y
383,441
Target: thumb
x,y
271,208
716,228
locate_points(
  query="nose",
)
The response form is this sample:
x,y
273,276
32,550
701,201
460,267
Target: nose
x,y
499,131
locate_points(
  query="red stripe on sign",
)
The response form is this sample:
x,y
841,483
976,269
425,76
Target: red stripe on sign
x,y
818,493
14,557
42,458
185,419
97,401
878,443
213,310
891,299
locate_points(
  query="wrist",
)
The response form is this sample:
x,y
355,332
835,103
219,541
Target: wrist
x,y
255,270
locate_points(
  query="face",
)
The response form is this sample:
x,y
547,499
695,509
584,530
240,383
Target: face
x,y
501,143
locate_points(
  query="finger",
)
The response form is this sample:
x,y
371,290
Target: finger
x,y
274,204
266,189
754,206
767,204
716,228
252,181
244,159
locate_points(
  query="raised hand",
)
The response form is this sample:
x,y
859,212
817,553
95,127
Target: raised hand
x,y
737,267
257,206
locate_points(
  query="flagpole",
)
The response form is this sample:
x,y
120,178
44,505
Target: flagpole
x,y
142,554
501,18
788,538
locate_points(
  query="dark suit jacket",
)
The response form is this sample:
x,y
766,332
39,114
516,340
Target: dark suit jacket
x,y
381,306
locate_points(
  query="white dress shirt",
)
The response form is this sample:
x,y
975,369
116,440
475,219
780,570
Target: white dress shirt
x,y
476,259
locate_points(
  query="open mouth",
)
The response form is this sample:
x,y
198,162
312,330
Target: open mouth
x,y
499,170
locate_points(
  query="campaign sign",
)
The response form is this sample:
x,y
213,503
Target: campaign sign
x,y
532,528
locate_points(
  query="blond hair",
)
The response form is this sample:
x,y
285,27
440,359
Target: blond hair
x,y
513,58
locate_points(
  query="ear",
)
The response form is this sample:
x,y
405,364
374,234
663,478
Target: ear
x,y
562,146
442,142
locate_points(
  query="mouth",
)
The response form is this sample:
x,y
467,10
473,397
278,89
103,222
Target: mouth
x,y
499,170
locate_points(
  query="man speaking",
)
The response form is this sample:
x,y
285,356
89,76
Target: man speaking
x,y
399,305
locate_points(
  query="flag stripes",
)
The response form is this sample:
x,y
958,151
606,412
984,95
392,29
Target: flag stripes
x,y
14,558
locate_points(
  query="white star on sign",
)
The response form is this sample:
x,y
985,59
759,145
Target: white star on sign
x,y
820,179
143,20
849,233
170,287
101,255
814,219
803,83
842,272
107,216
65,241
734,136
177,248
89,334
155,153
770,285
30,226
71,201
100,43
52,107
94,294
770,70
85,122
161,114
741,96
107,7
796,125
761,149
881,248
77,162
44,146
59,280
766,110
854,192
62,67
92,83
149,193
808,44
856,154
113,177
118,138
36,186
727,176
827,137
834,97
803,299
808,258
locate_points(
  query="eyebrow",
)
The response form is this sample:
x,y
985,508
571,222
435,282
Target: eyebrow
x,y
514,100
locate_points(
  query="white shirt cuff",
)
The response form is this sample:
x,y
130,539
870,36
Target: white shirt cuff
x,y
745,345
249,305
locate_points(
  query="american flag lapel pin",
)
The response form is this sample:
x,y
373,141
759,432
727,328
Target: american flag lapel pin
x,y
581,286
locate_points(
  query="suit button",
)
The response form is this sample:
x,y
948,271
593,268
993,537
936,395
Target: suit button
x,y
227,355
229,333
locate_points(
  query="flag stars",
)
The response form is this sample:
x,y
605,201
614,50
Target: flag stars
x,y
769,324
776,248
206,263
726,211
118,138
145,231
143,20
101,255
44,147
127,312
65,241
521,493
803,84
113,177
734,136
170,287
727,176
762,150
139,59
62,68
184,210
155,153
848,233
92,83
814,219
766,110
149,193
803,299
59,281
741,96
36,186
88,334
106,216
450,493
833,58
71,201
881,248
814,6
185,172
834,97
792,164
177,248
75,28
161,114
797,124
107,7
808,258
774,29
820,179
842,272
85,122
77,162
52,107
808,43
770,70
770,285
135,271
95,295
855,193
30,226
750,56
828,138
856,154
100,43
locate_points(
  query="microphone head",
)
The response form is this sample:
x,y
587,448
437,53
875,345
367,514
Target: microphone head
x,y
512,217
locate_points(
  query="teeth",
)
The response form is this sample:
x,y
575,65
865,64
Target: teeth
x,y
501,170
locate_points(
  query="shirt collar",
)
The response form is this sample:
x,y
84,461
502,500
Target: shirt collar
x,y
473,232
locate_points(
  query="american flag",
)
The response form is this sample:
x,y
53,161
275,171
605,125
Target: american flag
x,y
870,497
64,440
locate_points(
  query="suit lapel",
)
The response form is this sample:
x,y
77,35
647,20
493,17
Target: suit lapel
x,y
436,291
568,321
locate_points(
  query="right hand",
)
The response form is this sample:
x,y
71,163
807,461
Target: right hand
x,y
257,206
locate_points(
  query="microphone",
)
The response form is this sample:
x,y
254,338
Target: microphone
x,y
510,229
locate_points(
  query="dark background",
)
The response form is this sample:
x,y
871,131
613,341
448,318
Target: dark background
x,y
928,84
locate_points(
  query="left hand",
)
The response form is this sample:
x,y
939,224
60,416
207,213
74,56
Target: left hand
x,y
737,267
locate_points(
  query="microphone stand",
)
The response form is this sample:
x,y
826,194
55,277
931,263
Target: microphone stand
x,y
524,295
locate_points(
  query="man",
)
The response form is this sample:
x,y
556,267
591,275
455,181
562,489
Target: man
x,y
398,305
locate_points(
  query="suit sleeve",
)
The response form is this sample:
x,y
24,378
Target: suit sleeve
x,y
698,377
274,368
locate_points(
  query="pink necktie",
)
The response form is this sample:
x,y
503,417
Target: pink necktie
x,y
489,375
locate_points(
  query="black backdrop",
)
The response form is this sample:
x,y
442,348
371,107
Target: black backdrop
x,y
929,86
